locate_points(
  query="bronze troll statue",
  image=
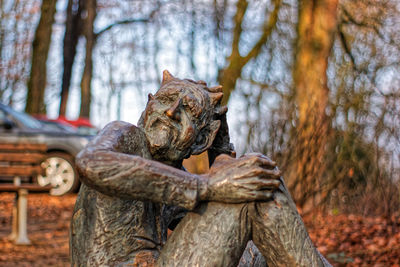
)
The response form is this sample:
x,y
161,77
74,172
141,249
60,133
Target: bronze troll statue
x,y
135,188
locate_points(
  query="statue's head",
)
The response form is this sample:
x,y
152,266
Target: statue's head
x,y
182,118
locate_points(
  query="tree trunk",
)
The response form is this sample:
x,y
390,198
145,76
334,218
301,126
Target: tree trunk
x,y
316,28
236,62
41,44
90,8
72,33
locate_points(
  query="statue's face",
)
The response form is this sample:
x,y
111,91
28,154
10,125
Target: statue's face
x,y
172,120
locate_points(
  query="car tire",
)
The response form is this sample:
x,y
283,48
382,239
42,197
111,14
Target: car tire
x,y
60,172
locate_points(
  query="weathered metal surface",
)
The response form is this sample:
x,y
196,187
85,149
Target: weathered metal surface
x,y
134,188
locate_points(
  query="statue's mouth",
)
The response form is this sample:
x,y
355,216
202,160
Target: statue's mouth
x,y
161,138
161,133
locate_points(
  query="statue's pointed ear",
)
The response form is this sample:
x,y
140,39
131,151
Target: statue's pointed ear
x,y
166,77
206,138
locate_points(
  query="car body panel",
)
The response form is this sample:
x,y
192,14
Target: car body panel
x,y
18,127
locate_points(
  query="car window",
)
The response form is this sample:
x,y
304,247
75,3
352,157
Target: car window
x,y
25,119
2,115
87,130
58,127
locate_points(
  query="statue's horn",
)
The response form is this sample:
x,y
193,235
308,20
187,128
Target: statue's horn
x,y
166,77
150,97
215,98
222,110
215,89
201,82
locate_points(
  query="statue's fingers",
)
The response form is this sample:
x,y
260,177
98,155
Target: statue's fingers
x,y
268,184
221,160
267,163
271,174
259,160
250,157
255,174
257,183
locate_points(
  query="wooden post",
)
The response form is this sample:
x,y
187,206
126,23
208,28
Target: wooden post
x,y
14,218
22,235
21,160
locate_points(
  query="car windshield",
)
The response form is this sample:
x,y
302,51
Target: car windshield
x,y
58,126
87,130
25,119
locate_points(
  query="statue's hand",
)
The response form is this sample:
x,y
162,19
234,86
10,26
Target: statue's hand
x,y
248,178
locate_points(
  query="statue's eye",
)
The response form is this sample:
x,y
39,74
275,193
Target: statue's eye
x,y
166,98
191,104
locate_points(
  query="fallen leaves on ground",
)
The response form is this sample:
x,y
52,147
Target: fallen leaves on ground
x,y
345,240
48,224
353,240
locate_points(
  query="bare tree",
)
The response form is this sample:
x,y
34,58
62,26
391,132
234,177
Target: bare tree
x,y
90,37
73,25
348,150
16,18
317,84
81,16
315,35
41,44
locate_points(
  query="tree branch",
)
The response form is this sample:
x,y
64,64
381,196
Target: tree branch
x,y
237,31
267,30
266,87
347,18
346,47
129,21
121,22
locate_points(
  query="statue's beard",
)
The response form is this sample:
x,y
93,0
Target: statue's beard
x,y
163,138
162,150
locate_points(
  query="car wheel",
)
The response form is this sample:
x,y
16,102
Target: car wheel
x,y
60,173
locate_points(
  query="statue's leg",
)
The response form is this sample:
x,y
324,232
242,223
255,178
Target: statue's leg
x,y
215,234
280,235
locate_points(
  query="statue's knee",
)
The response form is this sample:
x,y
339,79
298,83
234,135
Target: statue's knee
x,y
273,209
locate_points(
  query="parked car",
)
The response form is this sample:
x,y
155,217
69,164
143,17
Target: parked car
x,y
62,147
80,125
58,126
83,125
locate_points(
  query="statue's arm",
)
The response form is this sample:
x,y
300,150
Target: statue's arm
x,y
107,165
104,167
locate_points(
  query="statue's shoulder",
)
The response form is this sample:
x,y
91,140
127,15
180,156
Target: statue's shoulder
x,y
131,139
121,128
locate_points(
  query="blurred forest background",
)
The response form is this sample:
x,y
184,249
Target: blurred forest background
x,y
315,85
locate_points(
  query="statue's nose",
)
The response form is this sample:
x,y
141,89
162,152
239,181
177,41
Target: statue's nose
x,y
173,111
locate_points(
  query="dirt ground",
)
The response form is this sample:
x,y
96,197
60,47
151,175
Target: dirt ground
x,y
346,240
48,224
